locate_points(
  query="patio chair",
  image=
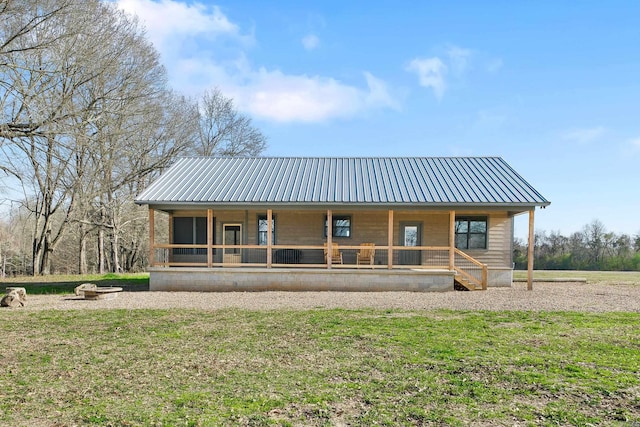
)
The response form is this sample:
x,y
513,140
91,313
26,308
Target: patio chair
x,y
336,254
366,254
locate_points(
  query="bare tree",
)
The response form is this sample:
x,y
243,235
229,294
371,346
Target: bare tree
x,y
76,114
224,131
21,18
595,238
87,119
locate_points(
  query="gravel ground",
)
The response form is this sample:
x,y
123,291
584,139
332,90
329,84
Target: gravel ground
x,y
545,296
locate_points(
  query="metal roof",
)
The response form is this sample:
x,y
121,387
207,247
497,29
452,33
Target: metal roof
x,y
443,181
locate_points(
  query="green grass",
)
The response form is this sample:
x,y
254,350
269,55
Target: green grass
x,y
604,277
319,367
65,284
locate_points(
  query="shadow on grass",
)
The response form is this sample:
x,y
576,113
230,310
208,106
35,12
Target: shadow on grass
x,y
67,284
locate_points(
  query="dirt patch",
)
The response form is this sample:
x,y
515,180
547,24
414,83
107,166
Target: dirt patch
x,y
586,297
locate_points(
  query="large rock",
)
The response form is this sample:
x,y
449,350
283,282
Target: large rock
x,y
79,290
15,297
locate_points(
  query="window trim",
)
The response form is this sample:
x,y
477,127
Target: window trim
x,y
335,218
273,230
468,219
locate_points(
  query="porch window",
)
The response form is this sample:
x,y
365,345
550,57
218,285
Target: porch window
x,y
471,232
341,226
263,230
190,231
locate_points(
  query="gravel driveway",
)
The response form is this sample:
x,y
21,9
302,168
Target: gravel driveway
x,y
545,296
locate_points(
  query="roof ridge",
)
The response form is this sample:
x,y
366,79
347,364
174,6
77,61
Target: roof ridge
x,y
340,157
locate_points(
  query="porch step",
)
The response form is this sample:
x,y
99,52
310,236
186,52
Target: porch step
x,y
462,284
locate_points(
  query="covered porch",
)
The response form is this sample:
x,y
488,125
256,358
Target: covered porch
x,y
388,250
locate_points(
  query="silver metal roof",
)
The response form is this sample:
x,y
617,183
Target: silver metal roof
x,y
442,181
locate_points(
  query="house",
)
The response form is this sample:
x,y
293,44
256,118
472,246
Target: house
x,y
273,223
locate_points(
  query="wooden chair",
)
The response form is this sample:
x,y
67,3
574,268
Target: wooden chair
x,y
366,254
336,255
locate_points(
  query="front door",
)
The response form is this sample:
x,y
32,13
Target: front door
x,y
411,234
232,235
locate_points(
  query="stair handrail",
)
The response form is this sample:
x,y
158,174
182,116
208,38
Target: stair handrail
x,y
485,271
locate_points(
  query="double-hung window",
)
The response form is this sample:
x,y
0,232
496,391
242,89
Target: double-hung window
x,y
471,232
263,230
341,226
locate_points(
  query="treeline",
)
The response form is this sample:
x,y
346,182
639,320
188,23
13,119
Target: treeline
x,y
591,248
87,119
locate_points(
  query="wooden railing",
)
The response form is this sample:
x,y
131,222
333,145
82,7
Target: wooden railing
x,y
312,256
169,255
471,269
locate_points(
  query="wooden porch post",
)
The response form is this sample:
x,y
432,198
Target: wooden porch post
x,y
209,238
452,239
530,251
170,236
390,241
269,237
152,237
329,237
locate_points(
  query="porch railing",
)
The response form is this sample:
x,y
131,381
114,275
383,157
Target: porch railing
x,y
313,256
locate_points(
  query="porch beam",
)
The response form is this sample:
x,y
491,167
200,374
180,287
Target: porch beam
x,y
329,237
152,237
209,238
530,250
452,239
390,241
269,237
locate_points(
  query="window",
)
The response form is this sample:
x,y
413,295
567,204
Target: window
x,y
471,232
262,229
341,226
189,231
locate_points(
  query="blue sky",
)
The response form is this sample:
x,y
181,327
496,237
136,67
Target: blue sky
x,y
552,87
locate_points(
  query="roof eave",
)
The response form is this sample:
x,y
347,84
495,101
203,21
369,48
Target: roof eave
x,y
172,205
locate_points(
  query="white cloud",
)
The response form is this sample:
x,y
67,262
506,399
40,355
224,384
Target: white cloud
x,y
276,96
431,73
585,135
202,48
450,67
171,22
635,144
310,42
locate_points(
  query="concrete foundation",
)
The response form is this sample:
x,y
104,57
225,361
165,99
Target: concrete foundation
x,y
499,277
292,279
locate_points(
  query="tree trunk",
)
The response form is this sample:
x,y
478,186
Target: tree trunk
x,y
101,251
115,252
45,260
82,262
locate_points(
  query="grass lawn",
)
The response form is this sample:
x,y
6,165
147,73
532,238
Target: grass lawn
x,y
318,367
604,277
65,284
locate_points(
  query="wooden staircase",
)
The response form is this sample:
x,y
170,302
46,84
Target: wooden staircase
x,y
470,274
462,284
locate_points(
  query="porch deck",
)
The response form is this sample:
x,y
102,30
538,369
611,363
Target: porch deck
x,y
305,268
249,279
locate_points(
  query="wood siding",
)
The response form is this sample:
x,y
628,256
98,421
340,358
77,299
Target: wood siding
x,y
306,227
